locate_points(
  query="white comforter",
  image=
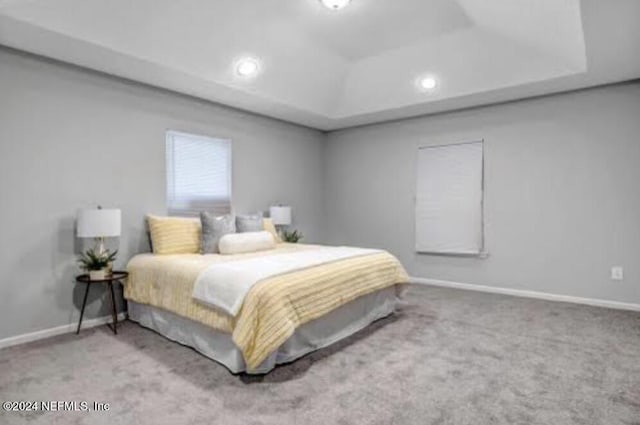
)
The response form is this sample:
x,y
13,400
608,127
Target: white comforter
x,y
225,285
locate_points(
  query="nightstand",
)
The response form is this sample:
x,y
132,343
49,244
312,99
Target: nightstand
x,y
116,276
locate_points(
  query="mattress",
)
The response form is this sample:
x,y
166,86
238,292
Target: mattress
x,y
219,346
275,307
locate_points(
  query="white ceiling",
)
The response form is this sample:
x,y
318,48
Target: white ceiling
x,y
331,70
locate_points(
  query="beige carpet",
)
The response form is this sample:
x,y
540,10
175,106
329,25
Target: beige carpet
x,y
447,357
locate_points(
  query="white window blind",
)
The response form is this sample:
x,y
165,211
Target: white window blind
x,y
198,174
449,199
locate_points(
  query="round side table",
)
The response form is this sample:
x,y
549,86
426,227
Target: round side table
x,y
116,276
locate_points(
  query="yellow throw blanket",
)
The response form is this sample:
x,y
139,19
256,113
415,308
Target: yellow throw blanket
x,y
273,308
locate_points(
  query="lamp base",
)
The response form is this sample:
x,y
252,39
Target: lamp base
x,y
99,248
280,228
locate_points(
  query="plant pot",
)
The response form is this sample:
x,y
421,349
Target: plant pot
x,y
97,274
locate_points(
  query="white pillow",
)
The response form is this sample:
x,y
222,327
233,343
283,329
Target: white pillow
x,y
238,243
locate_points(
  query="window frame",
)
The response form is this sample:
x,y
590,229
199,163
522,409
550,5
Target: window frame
x,y
480,249
170,136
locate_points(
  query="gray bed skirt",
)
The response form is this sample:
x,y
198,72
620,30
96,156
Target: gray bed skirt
x,y
319,333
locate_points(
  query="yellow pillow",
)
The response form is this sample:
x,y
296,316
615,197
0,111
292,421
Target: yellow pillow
x,y
267,224
174,235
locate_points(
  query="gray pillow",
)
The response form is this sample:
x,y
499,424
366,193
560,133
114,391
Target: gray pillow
x,y
249,223
213,228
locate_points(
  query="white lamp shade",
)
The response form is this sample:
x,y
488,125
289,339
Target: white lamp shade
x,y
98,223
280,215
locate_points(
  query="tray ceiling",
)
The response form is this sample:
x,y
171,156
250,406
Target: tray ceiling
x,y
334,69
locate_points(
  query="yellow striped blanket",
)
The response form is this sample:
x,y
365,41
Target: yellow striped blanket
x,y
273,308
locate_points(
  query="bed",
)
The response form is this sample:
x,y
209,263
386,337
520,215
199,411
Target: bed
x,y
281,318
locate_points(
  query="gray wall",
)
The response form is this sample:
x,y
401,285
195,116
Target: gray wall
x,y
562,192
71,139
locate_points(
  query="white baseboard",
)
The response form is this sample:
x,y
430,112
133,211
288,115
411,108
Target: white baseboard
x,y
528,294
58,330
91,323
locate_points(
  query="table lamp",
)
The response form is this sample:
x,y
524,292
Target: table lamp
x,y
99,223
280,215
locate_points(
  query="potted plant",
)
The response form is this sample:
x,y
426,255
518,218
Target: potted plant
x,y
96,264
291,237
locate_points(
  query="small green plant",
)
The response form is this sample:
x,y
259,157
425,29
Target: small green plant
x,y
91,260
292,237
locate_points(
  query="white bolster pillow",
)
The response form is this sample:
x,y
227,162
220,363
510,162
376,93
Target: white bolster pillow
x,y
238,243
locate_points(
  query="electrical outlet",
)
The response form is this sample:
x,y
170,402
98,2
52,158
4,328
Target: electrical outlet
x,y
617,273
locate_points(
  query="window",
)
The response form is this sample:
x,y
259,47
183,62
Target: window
x,y
198,174
449,199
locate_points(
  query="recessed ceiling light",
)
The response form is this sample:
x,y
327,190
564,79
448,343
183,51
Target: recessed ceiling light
x,y
427,83
247,67
335,4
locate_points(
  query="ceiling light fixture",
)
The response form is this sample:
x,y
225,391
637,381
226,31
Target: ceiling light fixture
x,y
427,83
247,67
335,4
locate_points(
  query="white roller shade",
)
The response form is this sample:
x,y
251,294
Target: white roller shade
x,y
449,199
198,174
